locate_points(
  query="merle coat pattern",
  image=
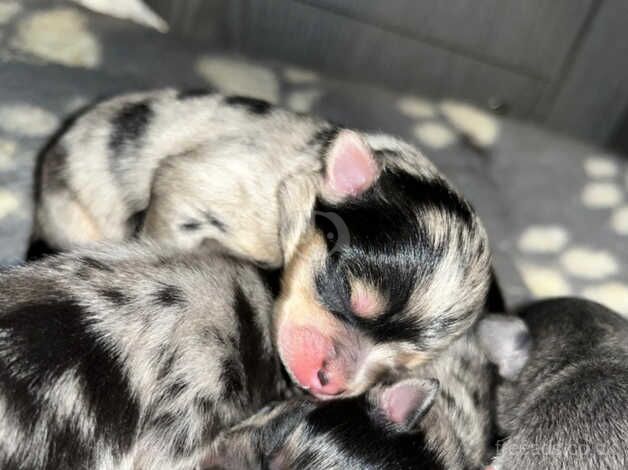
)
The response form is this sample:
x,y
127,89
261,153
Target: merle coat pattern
x,y
385,262
450,428
129,357
563,398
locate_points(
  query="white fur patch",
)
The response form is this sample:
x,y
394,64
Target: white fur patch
x,y
612,294
619,220
415,107
232,76
302,101
434,135
298,75
27,120
8,10
543,239
7,152
59,36
600,167
543,281
601,195
589,264
8,203
479,125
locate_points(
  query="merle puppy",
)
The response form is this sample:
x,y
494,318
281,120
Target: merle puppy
x,y
385,263
409,423
123,358
563,399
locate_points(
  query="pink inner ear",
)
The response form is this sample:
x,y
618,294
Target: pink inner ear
x,y
400,401
351,166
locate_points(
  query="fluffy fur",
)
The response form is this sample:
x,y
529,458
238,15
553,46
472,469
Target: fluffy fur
x,y
566,405
130,357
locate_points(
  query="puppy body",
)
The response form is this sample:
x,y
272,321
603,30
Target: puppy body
x,y
447,428
566,405
124,358
385,263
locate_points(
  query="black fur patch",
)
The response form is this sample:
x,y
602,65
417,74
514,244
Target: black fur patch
x,y
347,425
388,247
136,221
191,225
231,377
323,138
252,105
129,125
169,295
215,221
41,342
38,249
115,296
193,93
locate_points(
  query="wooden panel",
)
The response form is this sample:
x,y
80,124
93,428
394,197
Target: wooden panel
x,y
594,94
529,36
343,47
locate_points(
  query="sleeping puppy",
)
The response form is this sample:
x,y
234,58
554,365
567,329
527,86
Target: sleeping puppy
x,y
409,423
385,263
124,358
563,400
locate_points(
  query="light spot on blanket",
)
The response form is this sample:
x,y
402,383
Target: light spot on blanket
x,y
601,195
8,10
297,75
302,101
600,167
8,203
543,239
236,77
59,36
27,120
415,107
589,264
434,135
477,125
542,281
619,220
7,152
612,294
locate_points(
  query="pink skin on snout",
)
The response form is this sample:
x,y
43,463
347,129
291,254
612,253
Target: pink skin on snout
x,y
312,359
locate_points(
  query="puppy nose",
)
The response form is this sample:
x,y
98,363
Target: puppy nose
x,y
326,383
311,358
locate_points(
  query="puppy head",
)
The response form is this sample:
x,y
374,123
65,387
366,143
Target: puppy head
x,y
375,430
391,268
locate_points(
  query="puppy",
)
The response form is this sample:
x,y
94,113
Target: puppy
x,y
123,358
407,424
385,263
563,399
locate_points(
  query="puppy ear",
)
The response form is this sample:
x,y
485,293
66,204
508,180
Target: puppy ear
x,y
404,403
506,342
296,197
351,167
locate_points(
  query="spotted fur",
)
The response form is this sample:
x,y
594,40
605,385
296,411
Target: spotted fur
x,y
187,169
129,357
352,433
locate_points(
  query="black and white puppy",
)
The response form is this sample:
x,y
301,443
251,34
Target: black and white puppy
x,y
563,399
385,263
408,424
123,358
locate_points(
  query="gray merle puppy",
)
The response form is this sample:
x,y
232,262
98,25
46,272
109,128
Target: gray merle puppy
x,y
122,358
563,400
407,424
385,263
